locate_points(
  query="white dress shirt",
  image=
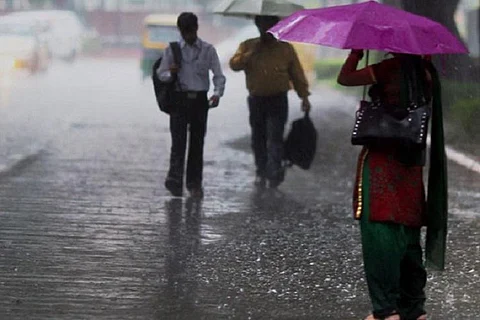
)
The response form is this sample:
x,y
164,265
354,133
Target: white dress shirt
x,y
197,60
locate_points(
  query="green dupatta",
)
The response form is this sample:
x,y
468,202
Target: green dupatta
x,y
437,194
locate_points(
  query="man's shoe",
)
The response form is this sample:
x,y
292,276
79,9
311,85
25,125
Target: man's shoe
x,y
260,182
174,187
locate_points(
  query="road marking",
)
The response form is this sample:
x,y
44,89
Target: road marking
x,y
462,159
459,158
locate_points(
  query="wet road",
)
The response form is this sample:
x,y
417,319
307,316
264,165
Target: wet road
x,y
88,231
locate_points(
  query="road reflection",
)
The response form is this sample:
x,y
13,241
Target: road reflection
x,y
183,244
272,203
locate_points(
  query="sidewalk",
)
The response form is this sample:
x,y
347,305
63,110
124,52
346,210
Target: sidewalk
x,y
89,231
23,127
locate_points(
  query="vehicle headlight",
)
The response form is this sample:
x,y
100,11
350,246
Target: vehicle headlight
x,y
21,63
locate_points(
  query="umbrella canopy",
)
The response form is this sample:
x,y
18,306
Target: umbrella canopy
x,y
368,25
251,8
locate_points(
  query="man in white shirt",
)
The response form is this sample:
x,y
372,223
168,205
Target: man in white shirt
x,y
191,109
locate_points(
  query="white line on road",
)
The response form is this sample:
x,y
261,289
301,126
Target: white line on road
x,y
462,159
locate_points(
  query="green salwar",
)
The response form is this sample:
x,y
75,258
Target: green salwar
x,y
393,263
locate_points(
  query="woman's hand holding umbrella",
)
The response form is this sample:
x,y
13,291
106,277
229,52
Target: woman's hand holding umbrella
x,y
358,53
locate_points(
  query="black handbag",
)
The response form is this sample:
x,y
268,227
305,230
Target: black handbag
x,y
380,124
405,125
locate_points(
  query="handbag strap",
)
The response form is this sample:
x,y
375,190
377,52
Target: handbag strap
x,y
366,65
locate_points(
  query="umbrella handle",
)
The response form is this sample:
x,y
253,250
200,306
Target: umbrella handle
x,y
366,65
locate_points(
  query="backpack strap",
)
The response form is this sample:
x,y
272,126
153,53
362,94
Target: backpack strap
x,y
177,53
177,58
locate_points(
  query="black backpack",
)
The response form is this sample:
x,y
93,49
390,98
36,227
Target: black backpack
x,y
164,91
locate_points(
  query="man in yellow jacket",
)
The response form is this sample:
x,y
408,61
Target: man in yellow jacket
x,y
271,67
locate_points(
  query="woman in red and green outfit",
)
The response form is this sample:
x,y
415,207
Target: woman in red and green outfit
x,y
389,196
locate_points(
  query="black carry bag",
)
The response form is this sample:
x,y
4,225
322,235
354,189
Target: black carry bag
x,y
164,91
301,143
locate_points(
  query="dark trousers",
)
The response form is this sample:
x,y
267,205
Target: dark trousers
x,y
268,116
189,116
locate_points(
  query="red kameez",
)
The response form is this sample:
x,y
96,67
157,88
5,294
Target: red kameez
x,y
396,190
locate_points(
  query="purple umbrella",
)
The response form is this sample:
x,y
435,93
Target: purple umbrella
x,y
368,25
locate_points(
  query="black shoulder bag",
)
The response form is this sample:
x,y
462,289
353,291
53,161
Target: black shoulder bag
x,y
406,125
165,91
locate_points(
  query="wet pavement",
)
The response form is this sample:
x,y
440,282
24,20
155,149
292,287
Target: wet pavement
x,y
88,231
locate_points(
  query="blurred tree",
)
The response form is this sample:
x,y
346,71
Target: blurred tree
x,y
439,10
458,67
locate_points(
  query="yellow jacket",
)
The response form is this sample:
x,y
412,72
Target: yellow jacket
x,y
270,67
